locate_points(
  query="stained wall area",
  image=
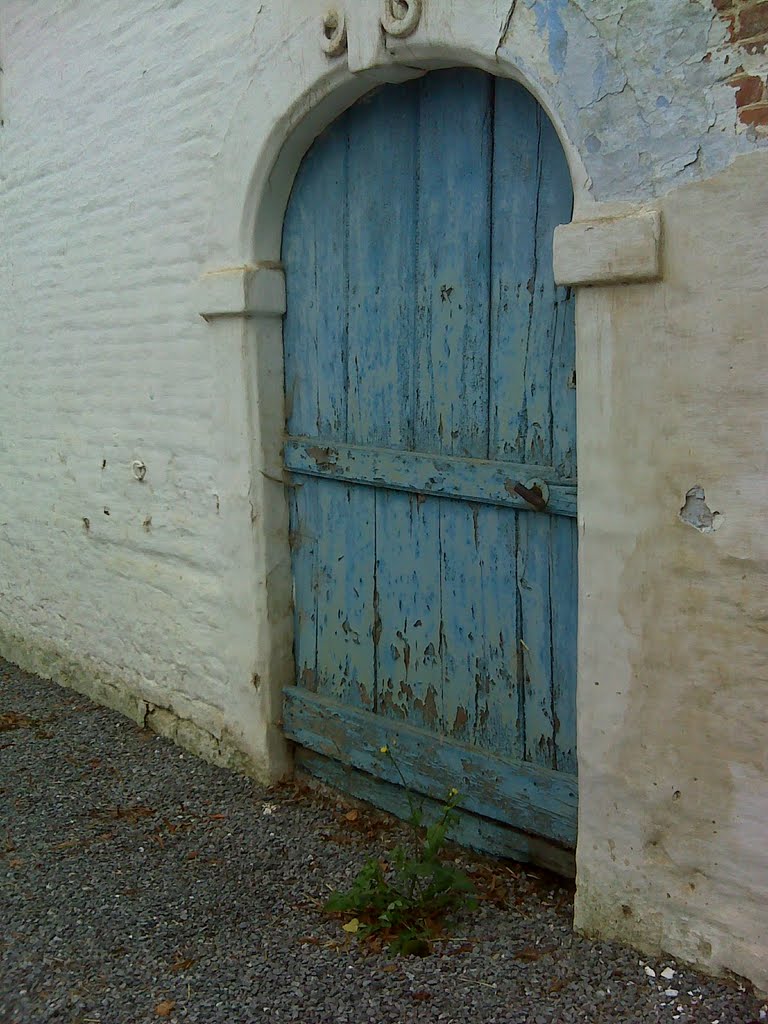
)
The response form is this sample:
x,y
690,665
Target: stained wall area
x,y
143,539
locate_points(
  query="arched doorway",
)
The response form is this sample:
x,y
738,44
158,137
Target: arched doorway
x,y
430,389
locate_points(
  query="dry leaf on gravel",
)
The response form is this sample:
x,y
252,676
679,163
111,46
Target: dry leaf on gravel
x,y
131,814
165,1008
12,720
183,964
533,953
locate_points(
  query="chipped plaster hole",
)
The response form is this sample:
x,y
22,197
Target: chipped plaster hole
x,y
696,513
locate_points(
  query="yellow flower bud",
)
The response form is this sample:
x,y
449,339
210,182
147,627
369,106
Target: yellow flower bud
x,y
384,750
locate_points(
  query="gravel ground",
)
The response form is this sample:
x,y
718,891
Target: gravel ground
x,y
140,884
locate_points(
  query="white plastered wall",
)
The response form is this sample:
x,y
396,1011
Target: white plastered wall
x,y
146,160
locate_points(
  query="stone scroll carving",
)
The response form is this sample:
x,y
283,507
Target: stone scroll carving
x,y
334,37
399,19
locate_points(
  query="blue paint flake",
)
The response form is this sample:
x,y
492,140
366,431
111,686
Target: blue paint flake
x,y
548,19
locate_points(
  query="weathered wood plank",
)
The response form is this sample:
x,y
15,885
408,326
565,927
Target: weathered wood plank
x,y
446,476
513,270
528,797
314,255
408,654
563,385
502,727
538,437
533,557
453,264
466,684
305,529
564,599
555,325
483,834
381,203
345,613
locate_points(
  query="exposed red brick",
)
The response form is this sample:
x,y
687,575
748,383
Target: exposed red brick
x,y
756,45
749,89
722,5
755,116
753,20
730,24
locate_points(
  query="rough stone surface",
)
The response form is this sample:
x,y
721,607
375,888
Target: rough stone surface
x,y
673,763
140,884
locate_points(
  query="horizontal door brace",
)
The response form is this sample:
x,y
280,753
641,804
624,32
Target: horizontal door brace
x,y
480,480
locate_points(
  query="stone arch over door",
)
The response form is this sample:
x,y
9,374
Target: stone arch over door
x,y
242,296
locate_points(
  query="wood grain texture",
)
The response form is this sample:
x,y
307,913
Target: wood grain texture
x,y
453,240
440,475
429,362
315,326
344,593
409,654
381,204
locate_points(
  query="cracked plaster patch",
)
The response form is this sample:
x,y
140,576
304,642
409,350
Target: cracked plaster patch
x,y
696,513
645,118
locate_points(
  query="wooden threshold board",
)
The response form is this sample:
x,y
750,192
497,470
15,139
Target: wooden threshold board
x,y
515,793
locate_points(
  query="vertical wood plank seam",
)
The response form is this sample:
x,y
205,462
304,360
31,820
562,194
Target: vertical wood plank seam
x,y
345,258
554,339
552,707
376,622
416,265
316,583
441,642
534,277
519,655
491,161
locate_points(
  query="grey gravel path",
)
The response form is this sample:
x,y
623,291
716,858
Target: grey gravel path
x,y
140,884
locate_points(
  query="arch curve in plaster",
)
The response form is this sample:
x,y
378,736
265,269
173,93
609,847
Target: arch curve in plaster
x,y
272,129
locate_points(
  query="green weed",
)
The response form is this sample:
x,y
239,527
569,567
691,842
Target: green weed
x,y
410,896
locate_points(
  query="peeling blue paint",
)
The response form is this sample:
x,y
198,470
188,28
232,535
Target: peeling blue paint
x,y
549,20
600,63
593,144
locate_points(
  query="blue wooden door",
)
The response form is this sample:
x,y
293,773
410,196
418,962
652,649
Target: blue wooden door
x,y
429,372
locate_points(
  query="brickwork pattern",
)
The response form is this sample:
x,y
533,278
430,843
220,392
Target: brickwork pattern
x,y
747,24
